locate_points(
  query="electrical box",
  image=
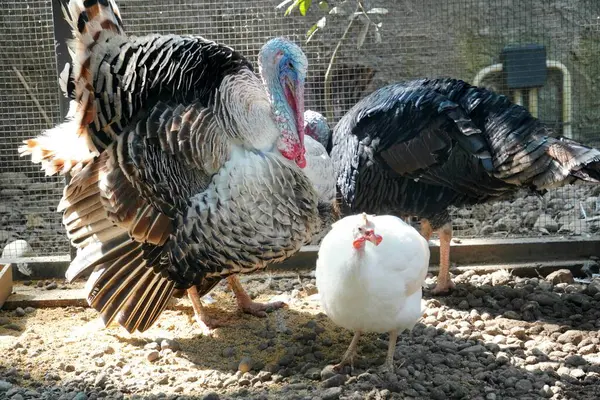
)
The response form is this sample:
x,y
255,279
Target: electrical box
x,y
524,66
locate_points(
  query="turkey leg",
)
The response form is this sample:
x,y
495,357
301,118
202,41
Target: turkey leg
x,y
444,284
246,304
350,353
206,323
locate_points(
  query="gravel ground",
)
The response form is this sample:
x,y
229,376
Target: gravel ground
x,y
497,336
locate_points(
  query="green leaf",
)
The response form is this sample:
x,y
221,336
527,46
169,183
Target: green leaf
x,y
304,6
313,29
323,5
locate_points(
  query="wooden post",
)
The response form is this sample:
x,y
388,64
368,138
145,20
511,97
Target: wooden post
x,y
62,32
6,283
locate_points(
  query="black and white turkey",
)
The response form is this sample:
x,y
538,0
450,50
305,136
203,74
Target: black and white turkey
x,y
418,147
186,167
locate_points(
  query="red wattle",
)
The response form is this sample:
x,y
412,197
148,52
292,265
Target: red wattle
x,y
358,243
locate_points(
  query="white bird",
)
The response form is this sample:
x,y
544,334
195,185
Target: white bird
x,y
370,271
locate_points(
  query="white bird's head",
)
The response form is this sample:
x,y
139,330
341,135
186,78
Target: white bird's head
x,y
365,232
283,68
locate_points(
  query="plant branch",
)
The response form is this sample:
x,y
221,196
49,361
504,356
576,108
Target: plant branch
x,y
327,82
32,95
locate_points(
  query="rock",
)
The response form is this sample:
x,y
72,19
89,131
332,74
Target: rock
x,y
571,336
17,249
99,362
524,385
546,222
51,286
109,350
575,360
228,352
577,373
327,372
152,355
313,373
100,380
476,349
152,346
4,321
211,396
560,276
334,381
19,312
332,393
5,386
168,344
246,364
13,327
80,396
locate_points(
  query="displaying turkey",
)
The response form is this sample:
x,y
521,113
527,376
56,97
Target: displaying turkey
x,y
419,147
186,168
370,270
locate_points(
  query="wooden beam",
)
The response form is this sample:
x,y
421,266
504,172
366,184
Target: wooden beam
x,y
6,283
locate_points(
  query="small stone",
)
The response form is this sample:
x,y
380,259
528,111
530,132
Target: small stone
x,y
510,314
327,372
245,365
99,362
546,392
211,396
334,381
571,336
152,355
168,344
5,386
286,360
152,346
313,373
524,385
577,373
332,393
69,368
228,352
19,312
473,349
4,321
109,350
560,276
52,285
13,327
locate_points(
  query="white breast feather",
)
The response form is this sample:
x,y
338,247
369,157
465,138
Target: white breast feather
x,y
379,291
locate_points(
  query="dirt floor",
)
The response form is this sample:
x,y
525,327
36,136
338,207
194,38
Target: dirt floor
x,y
496,337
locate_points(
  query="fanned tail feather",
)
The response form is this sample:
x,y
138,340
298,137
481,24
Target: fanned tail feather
x,y
68,147
120,241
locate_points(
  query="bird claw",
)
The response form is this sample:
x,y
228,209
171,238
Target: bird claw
x,y
207,324
261,309
443,288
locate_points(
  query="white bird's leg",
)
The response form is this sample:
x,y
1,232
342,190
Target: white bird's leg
x,y
246,304
350,353
206,323
444,284
389,360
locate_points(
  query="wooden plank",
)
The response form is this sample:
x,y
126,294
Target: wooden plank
x,y
6,283
32,296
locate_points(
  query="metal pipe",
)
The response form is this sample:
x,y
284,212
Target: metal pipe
x,y
518,97
485,72
567,104
533,102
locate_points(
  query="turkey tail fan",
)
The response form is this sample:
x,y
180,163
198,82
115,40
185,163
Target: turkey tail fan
x,y
60,149
68,147
583,162
93,23
123,284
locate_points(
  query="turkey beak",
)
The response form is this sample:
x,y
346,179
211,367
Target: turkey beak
x,y
372,237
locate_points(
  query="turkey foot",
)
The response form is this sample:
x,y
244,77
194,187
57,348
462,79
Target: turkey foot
x,y
246,304
205,323
349,355
445,284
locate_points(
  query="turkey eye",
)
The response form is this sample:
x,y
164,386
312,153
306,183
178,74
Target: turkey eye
x,y
290,65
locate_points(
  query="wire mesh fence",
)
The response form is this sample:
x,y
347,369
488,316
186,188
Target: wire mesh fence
x,y
404,39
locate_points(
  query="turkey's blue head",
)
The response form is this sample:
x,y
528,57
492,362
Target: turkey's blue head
x,y
315,126
283,68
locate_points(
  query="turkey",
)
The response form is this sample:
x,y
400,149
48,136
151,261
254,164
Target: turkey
x,y
419,147
186,168
370,270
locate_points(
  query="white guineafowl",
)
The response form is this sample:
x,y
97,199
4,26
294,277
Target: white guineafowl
x,y
369,274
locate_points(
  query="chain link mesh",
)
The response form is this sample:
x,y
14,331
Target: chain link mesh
x,y
457,38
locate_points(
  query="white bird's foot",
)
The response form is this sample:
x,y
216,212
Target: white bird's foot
x,y
349,355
